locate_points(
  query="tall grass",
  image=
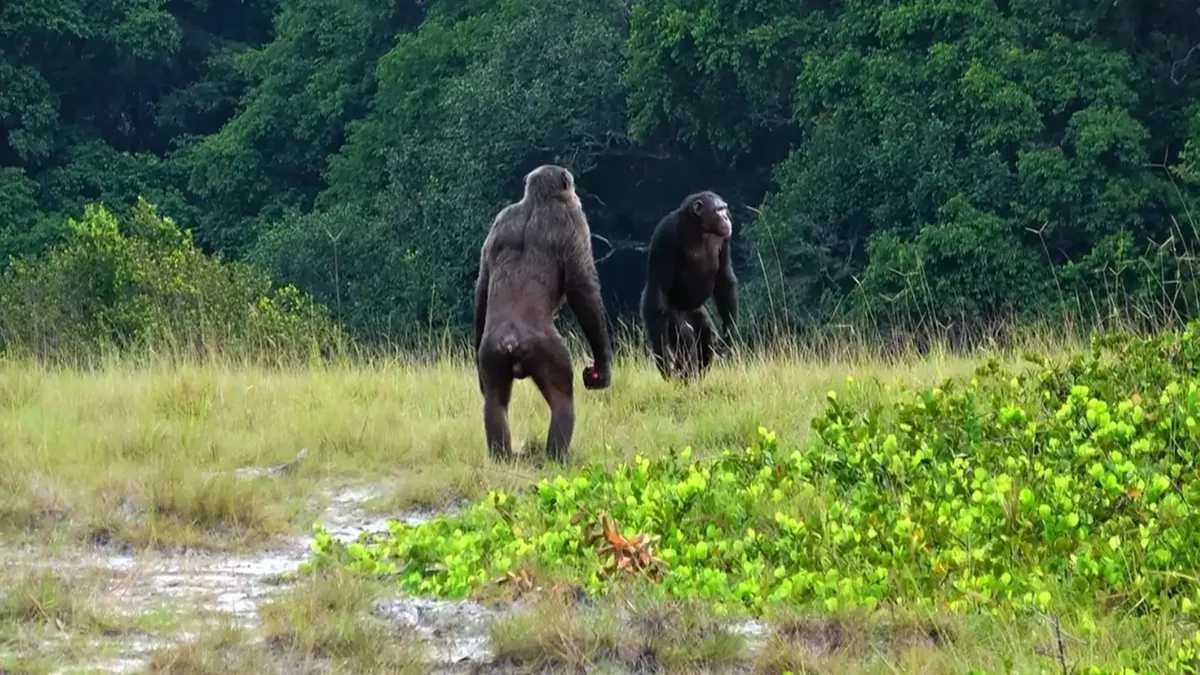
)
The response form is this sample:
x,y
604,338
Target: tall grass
x,y
143,448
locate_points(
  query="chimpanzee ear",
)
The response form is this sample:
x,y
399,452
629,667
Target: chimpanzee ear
x,y
698,206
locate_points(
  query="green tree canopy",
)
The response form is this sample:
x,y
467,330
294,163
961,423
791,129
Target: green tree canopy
x,y
893,161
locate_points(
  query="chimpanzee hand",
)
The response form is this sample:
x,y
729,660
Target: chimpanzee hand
x,y
597,378
728,341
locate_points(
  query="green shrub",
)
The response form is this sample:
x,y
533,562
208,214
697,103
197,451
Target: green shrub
x,y
140,283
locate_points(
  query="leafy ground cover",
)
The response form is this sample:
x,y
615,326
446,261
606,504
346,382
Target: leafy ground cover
x,y
1068,488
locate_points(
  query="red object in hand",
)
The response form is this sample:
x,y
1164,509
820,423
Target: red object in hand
x,y
592,378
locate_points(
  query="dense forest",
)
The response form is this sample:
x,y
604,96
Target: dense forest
x,y
956,161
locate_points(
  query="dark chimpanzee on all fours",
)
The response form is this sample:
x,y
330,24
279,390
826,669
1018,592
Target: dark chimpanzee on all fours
x,y
689,261
537,255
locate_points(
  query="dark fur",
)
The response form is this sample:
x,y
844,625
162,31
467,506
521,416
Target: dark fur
x,y
689,261
537,256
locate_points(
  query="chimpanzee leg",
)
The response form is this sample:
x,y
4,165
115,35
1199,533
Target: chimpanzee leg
x,y
497,380
551,372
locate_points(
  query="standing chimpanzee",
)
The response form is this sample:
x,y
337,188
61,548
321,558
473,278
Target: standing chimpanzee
x,y
537,255
689,261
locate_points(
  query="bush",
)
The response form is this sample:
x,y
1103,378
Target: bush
x,y
139,283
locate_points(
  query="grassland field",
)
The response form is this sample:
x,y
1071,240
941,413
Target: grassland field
x,y
140,459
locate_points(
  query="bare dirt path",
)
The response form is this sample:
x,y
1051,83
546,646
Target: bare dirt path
x,y
235,586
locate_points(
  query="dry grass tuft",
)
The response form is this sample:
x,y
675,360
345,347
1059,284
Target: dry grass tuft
x,y
627,635
48,619
43,599
330,618
224,649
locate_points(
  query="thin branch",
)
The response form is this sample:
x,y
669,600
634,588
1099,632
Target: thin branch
x,y
1059,636
622,245
616,144
603,239
1183,62
337,280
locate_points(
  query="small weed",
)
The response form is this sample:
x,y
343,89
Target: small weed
x,y
47,620
186,510
329,617
224,649
44,599
679,637
26,665
553,635
627,634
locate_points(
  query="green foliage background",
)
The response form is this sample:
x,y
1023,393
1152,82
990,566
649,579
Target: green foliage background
x,y
139,283
899,162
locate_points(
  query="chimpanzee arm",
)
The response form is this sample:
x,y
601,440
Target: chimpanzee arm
x,y
725,292
481,298
660,271
583,296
